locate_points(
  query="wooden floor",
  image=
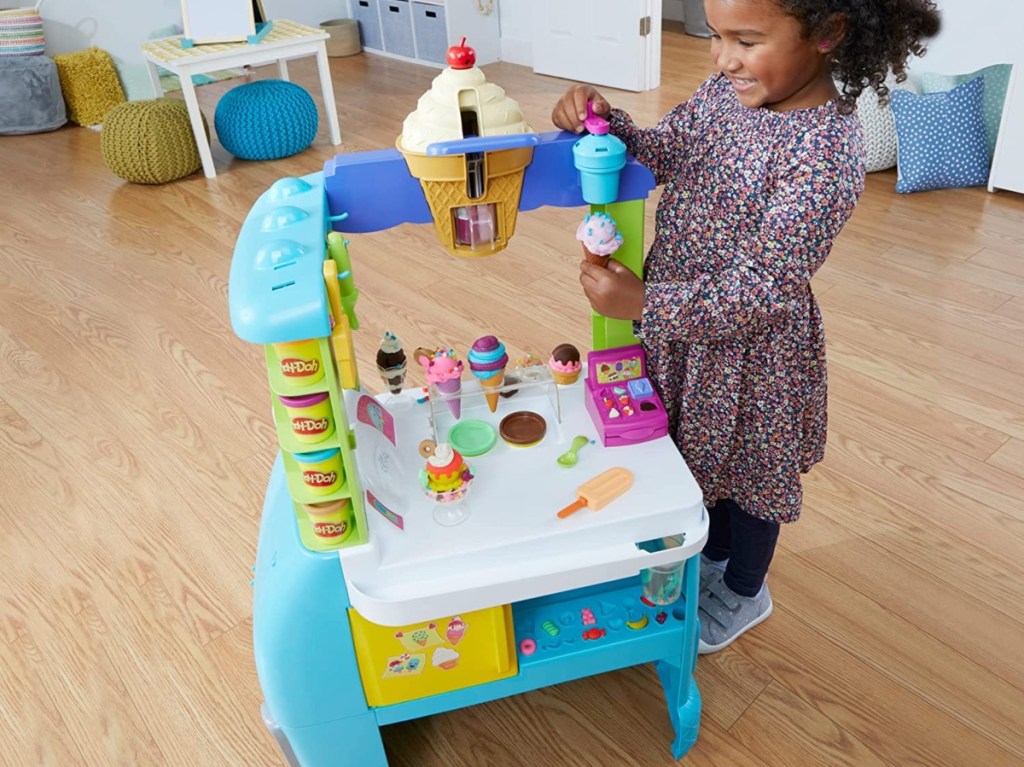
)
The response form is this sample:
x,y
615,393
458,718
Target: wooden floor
x,y
136,441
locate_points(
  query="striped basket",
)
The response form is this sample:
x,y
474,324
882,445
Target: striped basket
x,y
21,32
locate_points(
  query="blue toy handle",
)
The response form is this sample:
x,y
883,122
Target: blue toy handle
x,y
482,144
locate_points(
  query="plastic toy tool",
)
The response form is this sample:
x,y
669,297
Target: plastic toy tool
x,y
599,157
600,491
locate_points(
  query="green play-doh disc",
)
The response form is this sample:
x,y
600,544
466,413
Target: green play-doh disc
x,y
472,437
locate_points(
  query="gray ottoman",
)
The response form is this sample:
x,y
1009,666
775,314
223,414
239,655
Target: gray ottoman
x,y
30,97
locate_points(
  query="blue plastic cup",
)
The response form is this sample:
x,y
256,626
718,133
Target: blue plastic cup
x,y
600,160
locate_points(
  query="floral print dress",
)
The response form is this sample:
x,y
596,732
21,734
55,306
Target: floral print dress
x,y
752,202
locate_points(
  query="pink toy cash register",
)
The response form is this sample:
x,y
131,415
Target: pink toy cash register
x,y
620,399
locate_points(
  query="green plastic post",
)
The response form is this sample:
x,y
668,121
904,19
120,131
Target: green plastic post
x,y
629,218
338,250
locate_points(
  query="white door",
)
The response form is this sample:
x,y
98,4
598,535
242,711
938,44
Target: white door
x,y
616,43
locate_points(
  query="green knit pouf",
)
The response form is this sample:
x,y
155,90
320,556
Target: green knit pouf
x,y
150,142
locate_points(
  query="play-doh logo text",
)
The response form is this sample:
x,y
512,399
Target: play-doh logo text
x,y
319,478
293,367
310,425
330,529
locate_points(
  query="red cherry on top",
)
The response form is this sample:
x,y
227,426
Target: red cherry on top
x,y
461,56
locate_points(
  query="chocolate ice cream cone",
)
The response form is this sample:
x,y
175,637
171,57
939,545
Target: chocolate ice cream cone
x,y
592,258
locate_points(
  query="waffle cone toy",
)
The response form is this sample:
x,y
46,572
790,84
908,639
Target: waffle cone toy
x,y
487,361
461,104
490,387
599,237
593,258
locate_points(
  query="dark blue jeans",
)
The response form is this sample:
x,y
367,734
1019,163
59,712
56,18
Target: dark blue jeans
x,y
748,542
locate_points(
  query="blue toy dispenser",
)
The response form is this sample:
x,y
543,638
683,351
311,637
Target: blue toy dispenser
x,y
599,157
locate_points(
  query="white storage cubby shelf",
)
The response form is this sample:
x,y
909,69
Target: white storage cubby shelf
x,y
422,30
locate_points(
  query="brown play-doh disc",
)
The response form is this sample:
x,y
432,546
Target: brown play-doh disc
x,y
522,428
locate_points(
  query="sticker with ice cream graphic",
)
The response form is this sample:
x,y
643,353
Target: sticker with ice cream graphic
x,y
405,665
445,658
419,638
456,630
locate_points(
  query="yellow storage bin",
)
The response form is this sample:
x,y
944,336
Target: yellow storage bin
x,y
451,653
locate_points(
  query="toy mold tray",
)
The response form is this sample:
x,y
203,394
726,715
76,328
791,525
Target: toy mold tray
x,y
512,546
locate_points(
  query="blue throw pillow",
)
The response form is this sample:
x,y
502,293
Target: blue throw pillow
x,y
997,79
941,138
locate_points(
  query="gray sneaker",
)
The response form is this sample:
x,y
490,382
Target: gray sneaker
x,y
724,614
709,567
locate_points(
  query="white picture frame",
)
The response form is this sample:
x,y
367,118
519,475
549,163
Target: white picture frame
x,y
218,21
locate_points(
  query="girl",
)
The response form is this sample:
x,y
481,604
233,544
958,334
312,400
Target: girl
x,y
762,167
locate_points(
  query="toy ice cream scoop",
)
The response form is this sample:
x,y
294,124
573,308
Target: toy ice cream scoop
x,y
600,491
565,364
599,236
391,362
487,361
443,371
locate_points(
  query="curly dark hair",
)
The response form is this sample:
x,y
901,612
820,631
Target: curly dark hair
x,y
880,35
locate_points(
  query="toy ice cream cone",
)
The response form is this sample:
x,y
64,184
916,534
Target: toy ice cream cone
x,y
444,372
487,361
461,104
490,387
600,238
593,258
391,362
452,386
565,364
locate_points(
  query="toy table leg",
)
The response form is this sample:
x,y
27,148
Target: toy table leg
x,y
154,78
282,69
676,675
302,642
328,89
352,742
188,91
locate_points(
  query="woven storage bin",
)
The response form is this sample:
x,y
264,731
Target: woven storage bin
x,y
266,120
150,142
21,32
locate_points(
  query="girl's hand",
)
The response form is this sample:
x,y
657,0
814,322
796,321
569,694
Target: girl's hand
x,y
571,109
613,290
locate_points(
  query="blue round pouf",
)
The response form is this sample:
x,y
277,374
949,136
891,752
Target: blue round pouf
x,y
266,120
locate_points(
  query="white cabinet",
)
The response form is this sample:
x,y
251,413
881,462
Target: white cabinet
x,y
1008,162
422,30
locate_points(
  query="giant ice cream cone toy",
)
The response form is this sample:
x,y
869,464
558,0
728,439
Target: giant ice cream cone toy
x,y
443,371
487,361
473,194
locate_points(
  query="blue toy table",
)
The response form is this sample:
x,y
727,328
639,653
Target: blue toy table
x,y
586,565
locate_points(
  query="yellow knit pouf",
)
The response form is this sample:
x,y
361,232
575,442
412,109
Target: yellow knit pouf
x,y
150,142
89,83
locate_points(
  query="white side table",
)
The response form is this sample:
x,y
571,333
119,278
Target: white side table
x,y
286,40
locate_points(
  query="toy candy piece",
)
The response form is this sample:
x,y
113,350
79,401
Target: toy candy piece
x,y
600,491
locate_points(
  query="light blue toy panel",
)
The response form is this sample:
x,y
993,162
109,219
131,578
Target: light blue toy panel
x,y
276,286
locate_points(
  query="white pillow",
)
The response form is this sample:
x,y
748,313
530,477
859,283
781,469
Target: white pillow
x,y
879,126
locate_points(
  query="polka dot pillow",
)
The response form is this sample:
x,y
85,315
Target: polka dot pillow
x,y
997,79
941,138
